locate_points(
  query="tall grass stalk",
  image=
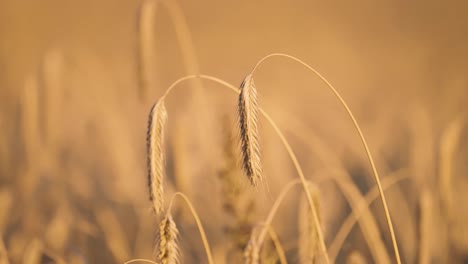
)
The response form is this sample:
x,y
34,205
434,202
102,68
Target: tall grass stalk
x,y
361,136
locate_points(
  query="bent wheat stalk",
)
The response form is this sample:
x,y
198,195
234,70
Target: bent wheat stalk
x,y
258,240
285,143
201,230
361,136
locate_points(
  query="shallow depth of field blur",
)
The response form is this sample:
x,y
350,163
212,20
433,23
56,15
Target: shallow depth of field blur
x,y
73,126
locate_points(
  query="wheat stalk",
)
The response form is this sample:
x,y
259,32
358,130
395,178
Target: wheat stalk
x,y
450,141
155,156
426,217
361,137
195,216
308,238
168,250
248,119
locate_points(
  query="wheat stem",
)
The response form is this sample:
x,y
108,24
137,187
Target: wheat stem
x,y
361,136
278,247
206,245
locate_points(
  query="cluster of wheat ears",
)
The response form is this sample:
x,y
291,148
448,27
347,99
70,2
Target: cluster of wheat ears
x,y
256,240
312,247
248,115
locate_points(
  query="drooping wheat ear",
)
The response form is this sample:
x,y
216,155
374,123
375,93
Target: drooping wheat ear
x,y
248,119
155,156
168,250
308,238
146,47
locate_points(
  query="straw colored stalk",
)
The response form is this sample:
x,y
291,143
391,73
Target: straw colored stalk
x,y
155,155
308,238
248,119
425,227
448,147
363,141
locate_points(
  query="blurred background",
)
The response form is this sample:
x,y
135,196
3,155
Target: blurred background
x,y
73,118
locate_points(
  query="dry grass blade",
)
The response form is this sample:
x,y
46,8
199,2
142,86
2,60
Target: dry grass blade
x,y
426,209
279,248
308,238
367,222
3,252
448,147
168,250
248,119
155,155
201,230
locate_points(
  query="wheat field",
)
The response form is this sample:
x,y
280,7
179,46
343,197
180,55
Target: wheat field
x,y
176,131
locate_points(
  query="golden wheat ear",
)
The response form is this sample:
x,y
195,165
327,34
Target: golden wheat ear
x,y
155,156
168,250
248,127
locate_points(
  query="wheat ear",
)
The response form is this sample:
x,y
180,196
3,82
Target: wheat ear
x,y
168,250
155,156
248,129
